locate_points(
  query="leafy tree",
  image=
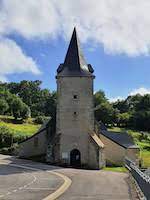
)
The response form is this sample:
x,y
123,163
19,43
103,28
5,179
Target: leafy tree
x,y
6,137
123,119
13,87
25,112
40,119
141,120
3,106
28,98
121,105
40,101
17,107
29,91
115,117
104,110
50,105
133,101
143,103
99,97
104,113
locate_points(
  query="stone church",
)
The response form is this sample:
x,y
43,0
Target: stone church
x,y
77,139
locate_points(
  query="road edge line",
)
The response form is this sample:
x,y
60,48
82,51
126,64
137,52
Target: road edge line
x,y
61,189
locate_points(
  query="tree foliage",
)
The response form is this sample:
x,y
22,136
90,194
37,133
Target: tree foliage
x,y
3,106
6,137
104,111
12,104
134,112
27,98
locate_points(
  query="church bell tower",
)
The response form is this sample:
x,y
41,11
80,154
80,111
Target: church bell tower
x,y
75,115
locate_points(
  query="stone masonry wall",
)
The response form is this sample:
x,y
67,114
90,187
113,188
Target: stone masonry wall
x,y
114,153
75,117
34,146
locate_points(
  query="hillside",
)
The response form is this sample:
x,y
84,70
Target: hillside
x,y
28,128
18,128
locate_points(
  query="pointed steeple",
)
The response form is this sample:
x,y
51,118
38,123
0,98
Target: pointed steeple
x,y
75,64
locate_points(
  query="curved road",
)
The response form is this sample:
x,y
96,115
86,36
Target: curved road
x,y
24,183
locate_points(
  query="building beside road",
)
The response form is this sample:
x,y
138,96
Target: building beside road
x,y
72,138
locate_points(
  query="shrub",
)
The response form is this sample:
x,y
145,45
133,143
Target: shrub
x,y
40,119
6,137
13,150
3,106
25,112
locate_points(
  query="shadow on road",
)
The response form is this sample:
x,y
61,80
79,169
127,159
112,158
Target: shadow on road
x,y
16,162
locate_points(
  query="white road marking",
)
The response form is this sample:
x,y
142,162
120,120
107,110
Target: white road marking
x,y
23,187
40,188
59,191
24,167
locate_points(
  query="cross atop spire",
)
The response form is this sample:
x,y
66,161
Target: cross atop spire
x,y
75,64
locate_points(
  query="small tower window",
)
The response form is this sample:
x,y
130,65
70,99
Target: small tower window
x,y
75,96
75,115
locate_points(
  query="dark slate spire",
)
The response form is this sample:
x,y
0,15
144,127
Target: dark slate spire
x,y
74,64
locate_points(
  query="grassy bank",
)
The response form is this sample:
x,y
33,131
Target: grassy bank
x,y
115,169
27,128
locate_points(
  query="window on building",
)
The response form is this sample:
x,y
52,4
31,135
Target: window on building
x,y
75,96
75,115
36,141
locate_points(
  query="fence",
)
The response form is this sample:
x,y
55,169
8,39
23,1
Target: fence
x,y
141,178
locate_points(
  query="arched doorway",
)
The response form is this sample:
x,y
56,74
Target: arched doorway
x,y
75,158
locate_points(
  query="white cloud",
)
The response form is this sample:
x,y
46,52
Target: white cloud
x,y
14,60
120,26
31,18
142,91
114,99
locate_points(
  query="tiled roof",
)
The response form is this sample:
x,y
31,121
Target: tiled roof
x,y
123,139
74,64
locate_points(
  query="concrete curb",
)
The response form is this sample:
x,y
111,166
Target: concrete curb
x,y
66,184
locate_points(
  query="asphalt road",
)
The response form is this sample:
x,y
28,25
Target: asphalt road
x,y
96,185
17,183
23,184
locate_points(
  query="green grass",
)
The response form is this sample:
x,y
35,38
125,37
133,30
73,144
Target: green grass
x,y
145,158
115,169
144,145
26,129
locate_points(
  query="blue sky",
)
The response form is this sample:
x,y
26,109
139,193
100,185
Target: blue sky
x,y
117,75
34,38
